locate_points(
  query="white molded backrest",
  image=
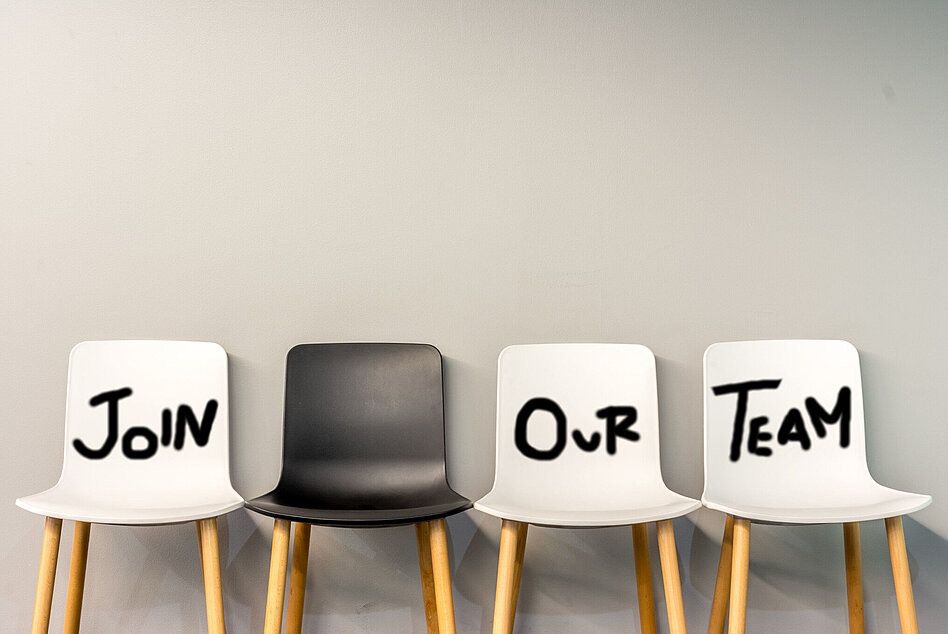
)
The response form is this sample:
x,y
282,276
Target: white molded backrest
x,y
577,381
152,450
815,378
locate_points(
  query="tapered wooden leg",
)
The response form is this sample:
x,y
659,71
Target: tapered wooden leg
x,y
77,577
517,571
276,588
506,563
423,538
294,608
901,574
740,561
47,575
722,584
643,578
668,554
857,623
211,565
441,570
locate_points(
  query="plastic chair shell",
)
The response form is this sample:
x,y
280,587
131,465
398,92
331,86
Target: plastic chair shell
x,y
578,487
171,485
363,439
824,483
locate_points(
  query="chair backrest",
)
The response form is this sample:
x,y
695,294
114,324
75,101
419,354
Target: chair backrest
x,y
147,419
576,423
357,413
783,421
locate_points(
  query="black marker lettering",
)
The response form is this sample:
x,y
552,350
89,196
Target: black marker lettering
x,y
586,445
151,443
616,428
165,427
520,431
112,398
841,413
755,436
792,428
742,390
202,431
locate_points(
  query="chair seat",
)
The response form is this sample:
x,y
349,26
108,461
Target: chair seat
x,y
69,504
875,503
665,506
367,515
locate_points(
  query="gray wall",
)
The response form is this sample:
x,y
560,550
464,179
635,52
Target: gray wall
x,y
474,175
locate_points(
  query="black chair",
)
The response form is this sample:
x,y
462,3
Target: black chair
x,y
363,446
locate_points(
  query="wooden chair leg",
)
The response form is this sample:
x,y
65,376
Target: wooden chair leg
x,y
211,565
506,563
441,571
857,622
722,584
298,569
77,577
643,578
740,561
901,575
668,555
276,588
517,572
47,575
423,538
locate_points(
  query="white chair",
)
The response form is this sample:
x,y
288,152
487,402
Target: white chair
x,y
577,446
785,444
146,443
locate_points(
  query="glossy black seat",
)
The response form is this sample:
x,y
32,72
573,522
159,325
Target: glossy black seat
x,y
363,446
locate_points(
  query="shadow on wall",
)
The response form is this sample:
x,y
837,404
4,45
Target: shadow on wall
x,y
566,571
681,434
352,573
256,426
361,578
801,568
469,429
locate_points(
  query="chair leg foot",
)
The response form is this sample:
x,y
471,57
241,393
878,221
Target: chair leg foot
x,y
276,587
901,575
47,575
504,605
77,577
740,560
298,570
722,584
423,539
643,578
441,570
857,623
211,566
668,554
